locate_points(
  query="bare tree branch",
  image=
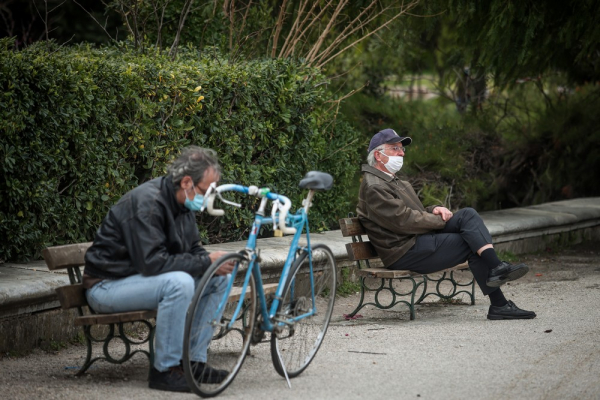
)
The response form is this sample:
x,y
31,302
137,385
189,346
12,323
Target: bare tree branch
x,y
96,21
184,13
231,22
245,18
278,26
159,21
302,31
7,17
312,53
412,4
295,25
352,27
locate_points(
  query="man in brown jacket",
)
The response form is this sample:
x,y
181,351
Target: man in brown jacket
x,y
409,236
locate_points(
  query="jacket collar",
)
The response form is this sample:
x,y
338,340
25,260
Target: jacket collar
x,y
380,174
169,190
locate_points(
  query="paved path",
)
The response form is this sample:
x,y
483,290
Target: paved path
x,y
448,352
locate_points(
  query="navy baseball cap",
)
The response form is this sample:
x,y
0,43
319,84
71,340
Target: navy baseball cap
x,y
388,136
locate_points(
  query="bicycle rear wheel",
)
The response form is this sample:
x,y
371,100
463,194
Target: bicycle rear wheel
x,y
297,344
230,341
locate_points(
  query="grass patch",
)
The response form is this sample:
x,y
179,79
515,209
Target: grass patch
x,y
508,256
453,300
15,353
347,287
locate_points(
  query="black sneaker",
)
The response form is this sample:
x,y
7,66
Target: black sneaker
x,y
506,272
206,374
172,380
509,311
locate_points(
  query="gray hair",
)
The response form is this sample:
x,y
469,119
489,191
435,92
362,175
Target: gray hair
x,y
193,161
371,157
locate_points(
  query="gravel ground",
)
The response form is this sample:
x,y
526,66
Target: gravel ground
x,y
450,351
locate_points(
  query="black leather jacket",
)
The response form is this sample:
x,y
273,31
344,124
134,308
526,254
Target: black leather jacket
x,y
147,232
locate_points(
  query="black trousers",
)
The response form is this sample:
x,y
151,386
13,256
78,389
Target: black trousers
x,y
463,235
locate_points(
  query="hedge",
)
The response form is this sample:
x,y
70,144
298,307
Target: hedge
x,y
82,126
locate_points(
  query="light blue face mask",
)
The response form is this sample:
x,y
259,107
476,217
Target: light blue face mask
x,y
196,204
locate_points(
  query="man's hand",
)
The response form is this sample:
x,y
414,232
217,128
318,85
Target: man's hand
x,y
443,212
224,269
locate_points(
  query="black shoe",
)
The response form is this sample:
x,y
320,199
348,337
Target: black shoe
x,y
172,380
509,311
206,374
506,272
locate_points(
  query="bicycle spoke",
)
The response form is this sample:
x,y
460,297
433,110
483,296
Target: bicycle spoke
x,y
298,343
230,332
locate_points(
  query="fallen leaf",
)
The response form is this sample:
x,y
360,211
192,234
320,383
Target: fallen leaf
x,y
347,317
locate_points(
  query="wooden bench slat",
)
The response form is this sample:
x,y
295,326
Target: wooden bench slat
x,y
459,267
104,319
383,273
402,273
351,227
71,296
69,255
361,251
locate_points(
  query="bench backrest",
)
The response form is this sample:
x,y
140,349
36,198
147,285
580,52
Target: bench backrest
x,y
358,250
69,257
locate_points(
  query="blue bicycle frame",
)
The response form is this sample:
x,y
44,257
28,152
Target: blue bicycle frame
x,y
299,221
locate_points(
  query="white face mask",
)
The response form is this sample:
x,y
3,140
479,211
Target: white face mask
x,y
394,163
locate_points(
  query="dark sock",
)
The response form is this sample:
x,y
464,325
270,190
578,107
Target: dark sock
x,y
497,298
490,258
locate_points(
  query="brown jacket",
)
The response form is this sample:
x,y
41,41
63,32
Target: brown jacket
x,y
392,214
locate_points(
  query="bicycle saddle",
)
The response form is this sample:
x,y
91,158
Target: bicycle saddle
x,y
315,180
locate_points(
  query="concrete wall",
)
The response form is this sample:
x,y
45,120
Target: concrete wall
x,y
549,241
45,329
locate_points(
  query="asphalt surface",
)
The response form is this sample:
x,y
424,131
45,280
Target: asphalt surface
x,y
450,351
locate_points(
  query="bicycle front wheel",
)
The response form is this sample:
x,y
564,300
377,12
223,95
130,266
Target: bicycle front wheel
x,y
296,345
219,312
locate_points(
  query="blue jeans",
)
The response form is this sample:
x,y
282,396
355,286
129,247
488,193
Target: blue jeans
x,y
171,294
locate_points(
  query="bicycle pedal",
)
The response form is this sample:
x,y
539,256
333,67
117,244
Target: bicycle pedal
x,y
278,233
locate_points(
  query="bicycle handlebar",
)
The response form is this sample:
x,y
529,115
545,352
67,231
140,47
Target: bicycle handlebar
x,y
215,191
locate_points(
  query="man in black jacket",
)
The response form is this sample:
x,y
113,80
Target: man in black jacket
x,y
408,236
146,256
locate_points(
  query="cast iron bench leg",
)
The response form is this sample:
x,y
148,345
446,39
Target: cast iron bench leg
x,y
362,298
411,304
456,286
122,335
88,357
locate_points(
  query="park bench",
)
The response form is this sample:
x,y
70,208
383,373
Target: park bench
x,y
71,258
362,252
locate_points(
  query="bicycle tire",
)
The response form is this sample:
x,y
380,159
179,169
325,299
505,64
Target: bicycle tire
x,y
298,344
228,348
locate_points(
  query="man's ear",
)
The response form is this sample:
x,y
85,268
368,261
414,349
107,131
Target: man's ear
x,y
186,183
377,156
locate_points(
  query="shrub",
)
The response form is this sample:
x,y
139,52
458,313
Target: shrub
x,y
552,141
525,147
448,161
82,126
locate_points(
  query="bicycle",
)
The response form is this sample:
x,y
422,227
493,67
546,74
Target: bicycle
x,y
297,316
